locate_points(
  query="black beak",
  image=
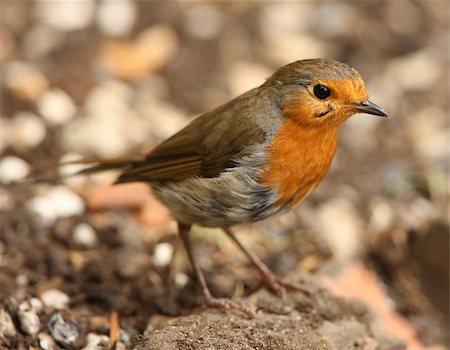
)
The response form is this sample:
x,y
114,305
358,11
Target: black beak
x,y
369,107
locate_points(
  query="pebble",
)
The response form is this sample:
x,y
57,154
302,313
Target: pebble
x,y
116,18
151,50
131,263
84,235
55,299
382,215
64,331
340,223
13,169
58,202
203,21
96,342
163,254
28,318
37,305
65,15
107,109
24,80
27,130
425,65
181,280
46,342
40,40
7,329
244,76
56,107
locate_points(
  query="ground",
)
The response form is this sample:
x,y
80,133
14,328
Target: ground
x,y
87,265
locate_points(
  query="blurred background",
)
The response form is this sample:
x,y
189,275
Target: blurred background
x,y
107,78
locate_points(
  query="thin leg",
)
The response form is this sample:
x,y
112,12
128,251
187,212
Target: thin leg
x,y
272,281
210,301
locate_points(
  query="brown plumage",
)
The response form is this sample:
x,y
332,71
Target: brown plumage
x,y
253,156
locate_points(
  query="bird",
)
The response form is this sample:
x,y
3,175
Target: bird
x,y
250,158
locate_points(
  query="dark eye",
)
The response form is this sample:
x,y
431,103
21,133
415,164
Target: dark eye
x,y
321,92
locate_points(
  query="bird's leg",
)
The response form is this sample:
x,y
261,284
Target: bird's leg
x,y
272,281
210,301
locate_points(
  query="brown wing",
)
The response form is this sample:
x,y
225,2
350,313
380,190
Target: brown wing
x,y
204,148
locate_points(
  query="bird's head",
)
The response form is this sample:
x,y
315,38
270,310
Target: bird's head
x,y
321,92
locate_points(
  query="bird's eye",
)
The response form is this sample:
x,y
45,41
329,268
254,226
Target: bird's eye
x,y
321,91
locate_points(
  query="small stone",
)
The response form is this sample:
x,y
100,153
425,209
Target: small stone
x,y
424,64
131,263
28,318
181,280
7,329
116,18
56,107
151,50
342,226
46,342
7,200
37,305
58,202
163,254
24,80
64,331
13,169
41,40
22,280
96,342
55,299
65,15
84,235
244,76
203,21
27,130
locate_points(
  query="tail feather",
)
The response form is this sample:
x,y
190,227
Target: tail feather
x,y
51,172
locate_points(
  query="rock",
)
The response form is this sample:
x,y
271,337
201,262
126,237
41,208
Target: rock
x,y
55,299
340,222
28,318
151,50
24,80
64,331
58,202
131,263
244,76
27,130
181,280
56,107
203,20
12,169
65,15
108,110
46,342
7,328
425,65
40,40
299,326
96,342
116,18
84,236
163,254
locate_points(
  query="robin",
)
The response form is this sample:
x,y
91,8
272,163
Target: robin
x,y
252,157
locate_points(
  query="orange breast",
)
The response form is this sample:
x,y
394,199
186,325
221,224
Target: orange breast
x,y
299,158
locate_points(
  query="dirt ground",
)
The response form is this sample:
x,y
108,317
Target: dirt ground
x,y
84,265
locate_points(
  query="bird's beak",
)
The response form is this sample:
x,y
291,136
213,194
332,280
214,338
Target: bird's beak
x,y
369,107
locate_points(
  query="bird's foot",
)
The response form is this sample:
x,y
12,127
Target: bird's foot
x,y
279,285
228,304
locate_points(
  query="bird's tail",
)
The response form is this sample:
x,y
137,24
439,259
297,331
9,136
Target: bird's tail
x,y
52,173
